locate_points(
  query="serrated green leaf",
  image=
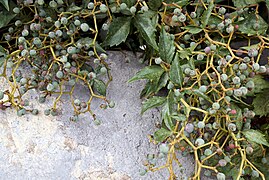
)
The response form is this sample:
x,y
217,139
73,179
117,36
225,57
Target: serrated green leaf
x,y
206,15
154,4
261,103
5,17
166,46
99,86
246,25
260,84
153,72
244,3
118,31
153,102
202,95
176,73
162,134
255,136
167,110
5,4
162,82
192,29
146,28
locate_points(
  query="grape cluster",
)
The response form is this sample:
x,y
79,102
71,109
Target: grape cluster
x,y
61,47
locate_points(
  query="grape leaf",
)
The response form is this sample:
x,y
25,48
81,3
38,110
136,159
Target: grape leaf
x,y
261,103
161,134
99,86
118,31
146,28
166,46
255,136
206,15
154,4
244,3
5,4
153,102
176,74
6,17
150,72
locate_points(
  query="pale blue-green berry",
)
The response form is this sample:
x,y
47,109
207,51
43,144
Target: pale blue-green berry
x,y
51,35
142,172
199,142
262,69
203,88
246,59
164,148
253,52
264,160
10,29
103,70
158,60
7,37
177,11
208,152
18,23
123,6
35,111
236,80
50,87
59,74
182,18
84,27
249,150
193,14
113,9
213,47
187,37
71,82
16,10
40,2
174,18
92,75
231,127
53,4
77,102
71,50
189,128
221,26
215,125
192,73
103,8
105,27
227,98
24,52
60,2
90,53
133,9
222,10
64,20
32,52
77,22
238,92
221,176
47,112
255,66
244,90
224,77
177,92
201,124
37,41
222,162
103,56
90,5
111,104
200,57
59,33
170,85
144,8
243,66
255,174
207,173
57,24
216,105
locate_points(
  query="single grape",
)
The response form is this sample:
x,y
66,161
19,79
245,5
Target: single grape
x,y
189,127
32,52
40,2
193,14
158,60
59,74
255,174
144,8
123,6
222,10
105,27
133,9
216,105
53,4
255,66
164,148
177,11
224,77
208,152
253,52
84,27
221,26
201,124
203,88
64,20
18,23
16,10
90,5
47,112
231,127
175,18
103,8
50,87
77,102
249,150
199,142
200,57
221,176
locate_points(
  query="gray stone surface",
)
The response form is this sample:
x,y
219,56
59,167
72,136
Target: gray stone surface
x,y
46,147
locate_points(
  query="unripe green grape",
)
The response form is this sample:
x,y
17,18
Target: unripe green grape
x,y
144,8
123,6
59,74
200,57
47,112
10,29
264,160
253,52
24,52
71,82
18,23
221,176
216,125
111,104
103,56
249,150
113,9
236,80
216,105
212,111
213,47
177,11
40,2
37,41
222,10
133,9
203,88
174,18
193,14
224,77
77,102
142,172
105,27
255,66
227,98
10,64
238,92
77,22
59,33
103,70
242,77
244,90
64,20
231,127
208,152
187,71
192,73
199,142
230,29
90,5
21,112
32,52
170,85
92,75
177,92
201,124
16,10
60,2
71,50
262,69
57,24
192,44
50,87
103,8
246,59
187,37
182,18
84,27
207,173
164,148
243,66
35,111
221,26
53,4
255,174
158,60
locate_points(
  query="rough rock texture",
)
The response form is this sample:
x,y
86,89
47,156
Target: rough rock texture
x,y
46,147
